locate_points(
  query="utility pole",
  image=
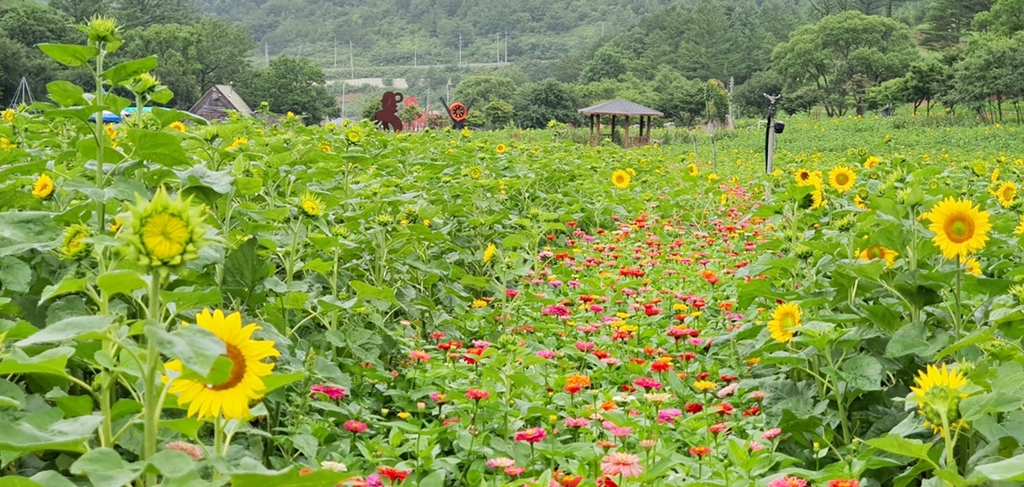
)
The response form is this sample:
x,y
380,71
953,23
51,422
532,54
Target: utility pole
x,y
351,63
266,56
335,52
506,45
497,41
460,49
343,86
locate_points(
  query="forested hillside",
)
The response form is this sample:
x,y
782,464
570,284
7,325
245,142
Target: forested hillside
x,y
695,60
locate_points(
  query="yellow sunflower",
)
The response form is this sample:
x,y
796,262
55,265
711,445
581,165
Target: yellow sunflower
x,y
8,115
1006,193
860,202
808,178
692,169
842,178
871,162
73,245
500,149
818,198
1020,227
620,179
489,252
937,392
238,142
973,267
785,320
879,252
229,398
43,187
180,127
960,228
311,204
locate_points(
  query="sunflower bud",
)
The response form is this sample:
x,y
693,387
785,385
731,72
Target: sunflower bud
x,y
844,224
103,29
143,83
163,232
803,252
73,246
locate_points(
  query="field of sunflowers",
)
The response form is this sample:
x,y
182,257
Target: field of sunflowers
x,y
246,304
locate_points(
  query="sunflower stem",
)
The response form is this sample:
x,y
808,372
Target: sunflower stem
x,y
957,324
151,394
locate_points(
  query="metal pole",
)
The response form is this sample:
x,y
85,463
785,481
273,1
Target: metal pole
x,y
769,136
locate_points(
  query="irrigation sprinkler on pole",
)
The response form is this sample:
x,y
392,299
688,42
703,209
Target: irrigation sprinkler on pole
x,y
770,130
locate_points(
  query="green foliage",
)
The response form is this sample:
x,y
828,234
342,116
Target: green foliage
x,y
549,100
291,85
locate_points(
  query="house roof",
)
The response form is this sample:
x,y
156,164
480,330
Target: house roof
x,y
219,98
621,107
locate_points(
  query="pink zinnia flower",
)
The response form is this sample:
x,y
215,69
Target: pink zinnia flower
x,y
547,354
555,310
514,470
788,482
585,346
647,383
194,451
771,434
757,395
621,431
477,394
755,446
532,435
576,422
500,462
728,390
618,463
419,355
333,392
668,415
355,426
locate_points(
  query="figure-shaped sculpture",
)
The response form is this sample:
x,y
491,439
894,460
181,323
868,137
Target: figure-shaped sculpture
x,y
387,116
457,112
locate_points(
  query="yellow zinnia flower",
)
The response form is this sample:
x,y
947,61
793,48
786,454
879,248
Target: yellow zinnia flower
x,y
43,187
489,252
785,320
960,228
879,252
705,385
478,303
841,178
1006,193
620,179
229,398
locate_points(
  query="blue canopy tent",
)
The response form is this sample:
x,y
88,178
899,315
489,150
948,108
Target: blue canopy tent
x,y
130,112
108,117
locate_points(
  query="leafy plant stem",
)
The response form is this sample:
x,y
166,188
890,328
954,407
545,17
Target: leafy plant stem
x,y
150,403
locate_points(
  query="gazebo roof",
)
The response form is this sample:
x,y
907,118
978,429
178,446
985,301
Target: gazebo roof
x,y
621,107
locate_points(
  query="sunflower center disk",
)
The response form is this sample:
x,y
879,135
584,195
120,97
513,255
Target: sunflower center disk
x,y
165,235
959,229
234,354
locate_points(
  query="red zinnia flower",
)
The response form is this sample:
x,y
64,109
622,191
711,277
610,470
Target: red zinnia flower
x,y
700,451
844,483
393,473
532,435
333,392
477,394
355,426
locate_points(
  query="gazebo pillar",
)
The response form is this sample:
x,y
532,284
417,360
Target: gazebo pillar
x,y
597,140
625,136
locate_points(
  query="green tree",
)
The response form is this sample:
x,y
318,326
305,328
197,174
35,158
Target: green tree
x,y
546,101
193,58
843,55
499,113
80,10
30,23
608,63
479,90
291,84
1005,18
144,13
409,114
947,21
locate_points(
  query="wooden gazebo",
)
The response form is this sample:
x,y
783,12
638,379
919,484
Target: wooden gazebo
x,y
621,108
